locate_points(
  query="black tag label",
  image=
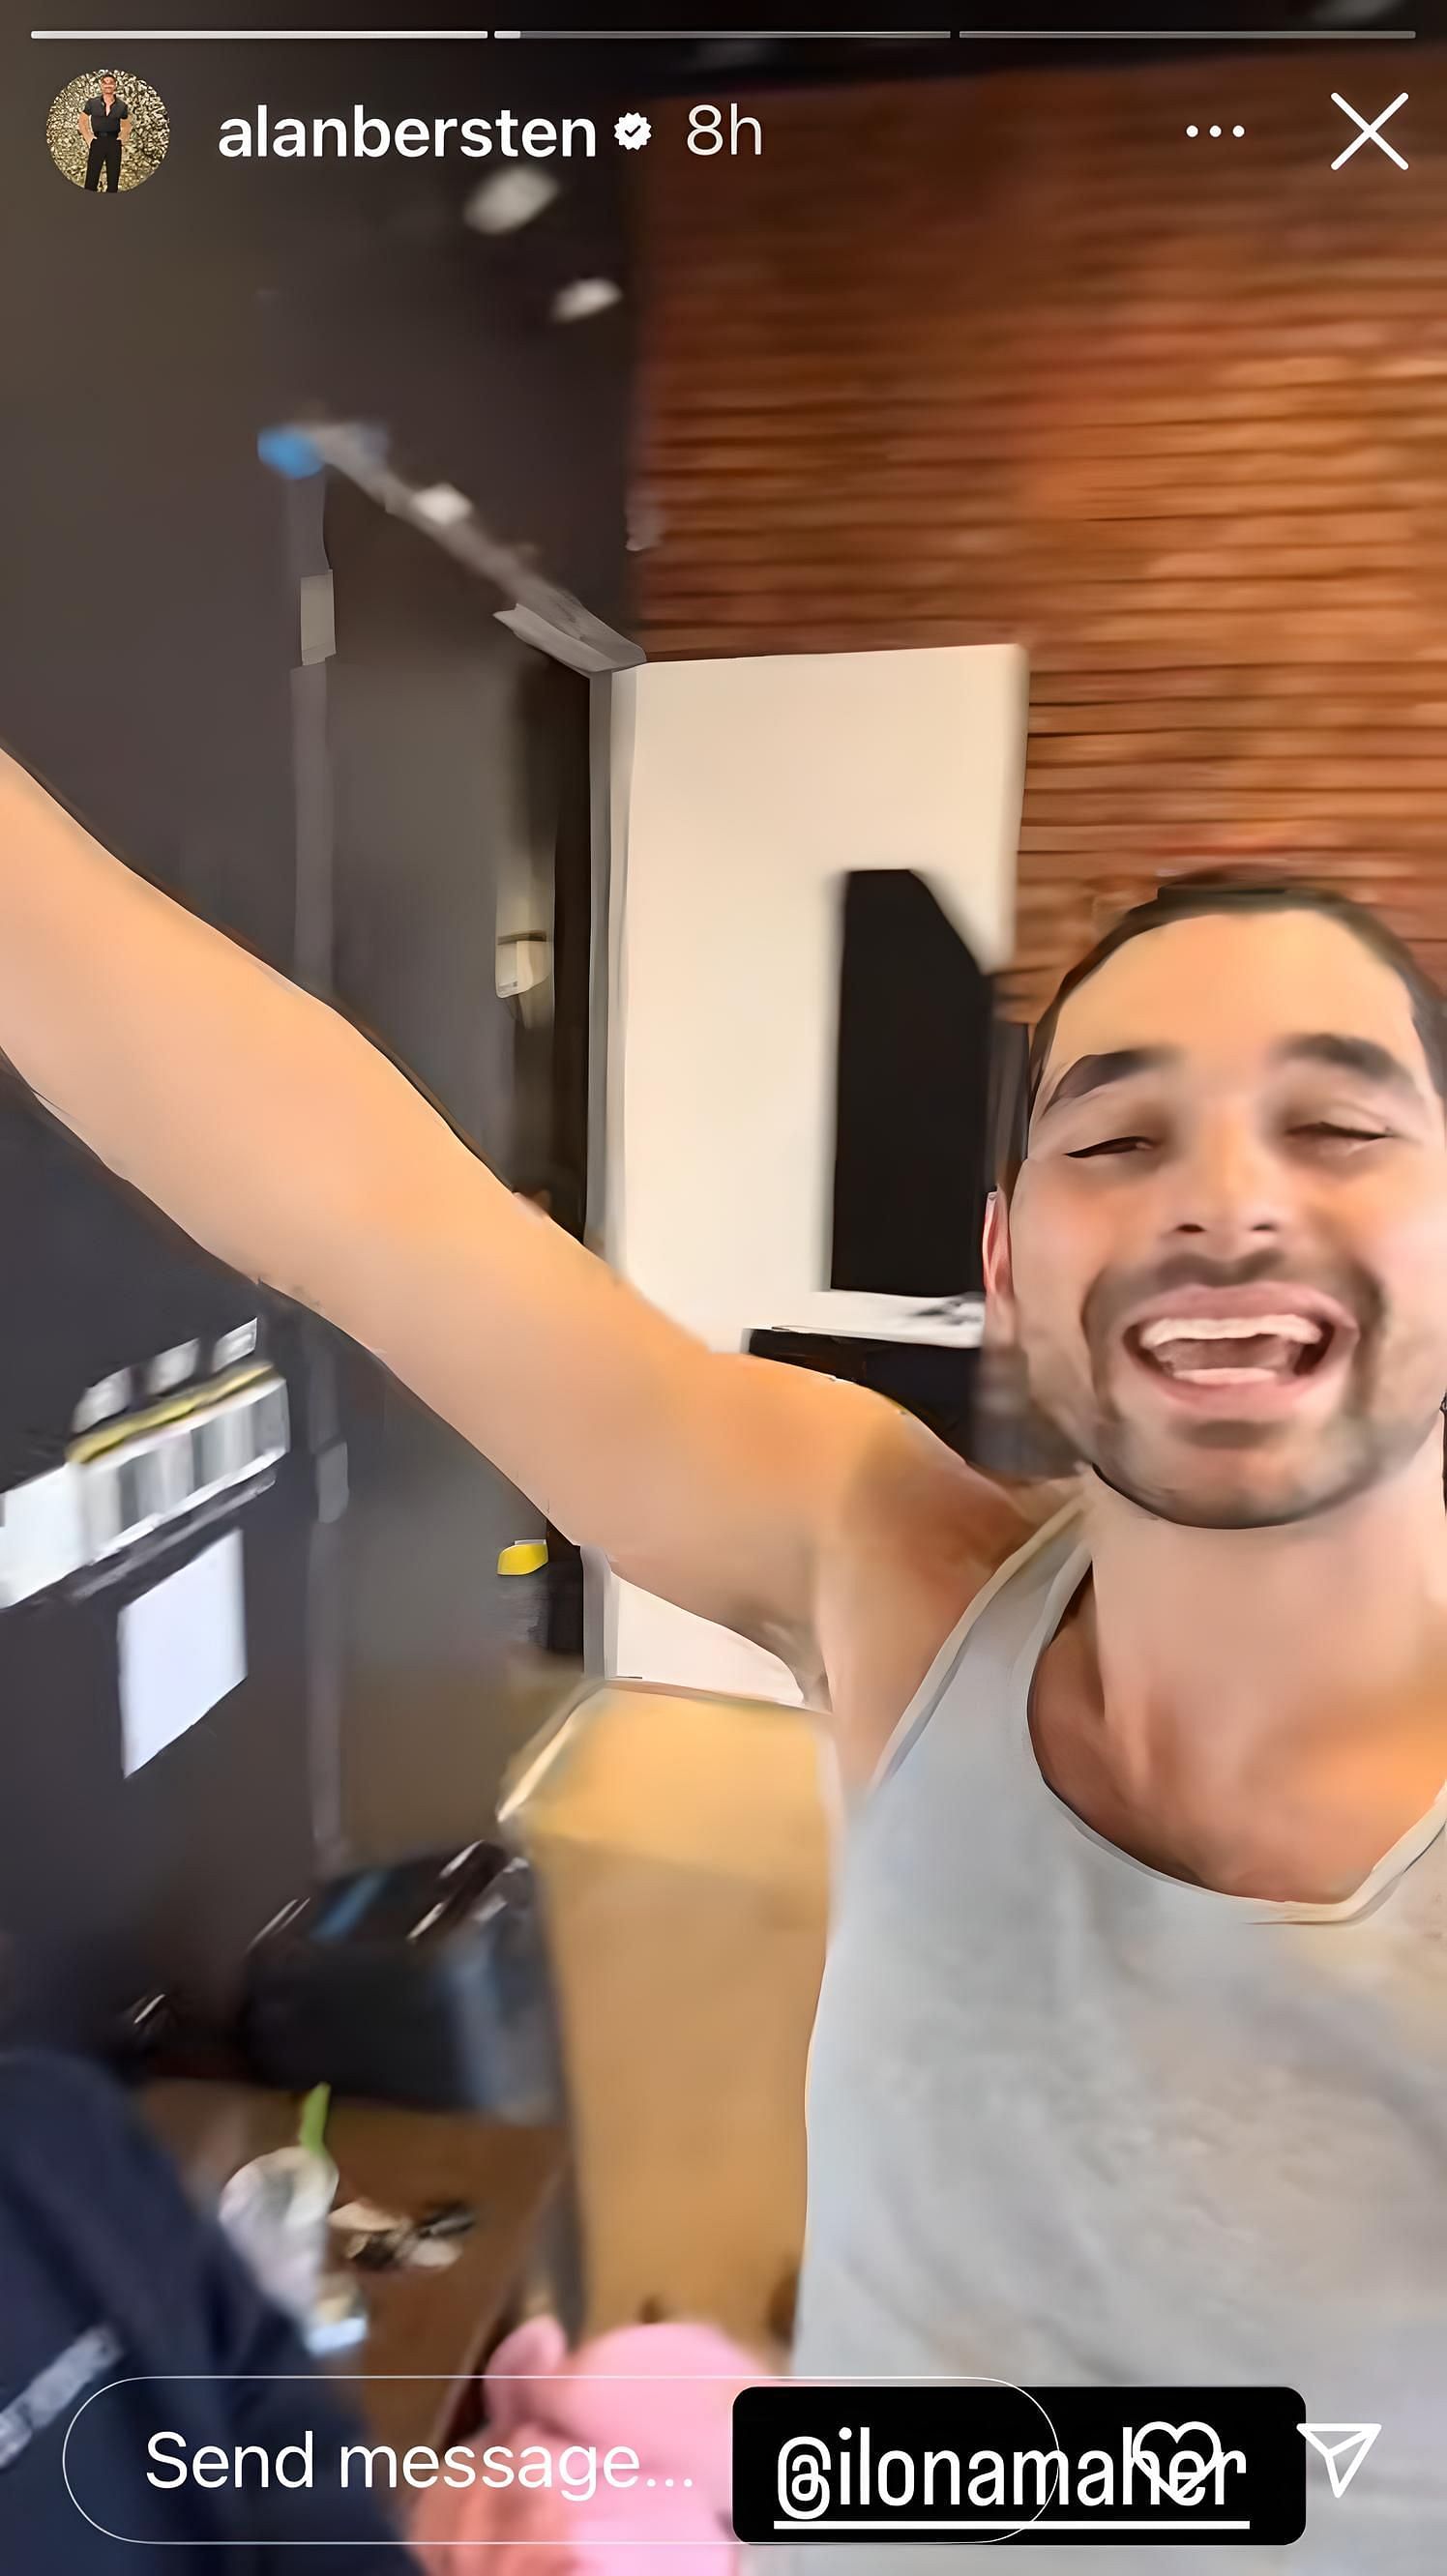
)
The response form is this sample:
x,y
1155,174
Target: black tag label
x,y
977,2460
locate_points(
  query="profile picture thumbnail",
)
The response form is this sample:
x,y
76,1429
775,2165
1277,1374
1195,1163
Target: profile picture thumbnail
x,y
108,130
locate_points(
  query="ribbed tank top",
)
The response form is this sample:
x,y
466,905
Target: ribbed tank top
x,y
1074,2121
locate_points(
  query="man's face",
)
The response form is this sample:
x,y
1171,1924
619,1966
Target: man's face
x,y
1225,1260
108,89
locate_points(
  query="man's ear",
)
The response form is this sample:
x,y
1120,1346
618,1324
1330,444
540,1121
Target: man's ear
x,y
999,1275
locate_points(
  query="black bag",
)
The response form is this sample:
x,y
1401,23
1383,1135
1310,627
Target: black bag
x,y
423,1983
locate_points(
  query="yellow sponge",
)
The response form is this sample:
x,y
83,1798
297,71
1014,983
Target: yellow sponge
x,y
525,1557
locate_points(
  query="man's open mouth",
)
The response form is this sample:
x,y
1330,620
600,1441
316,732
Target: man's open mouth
x,y
1227,1350
1243,1344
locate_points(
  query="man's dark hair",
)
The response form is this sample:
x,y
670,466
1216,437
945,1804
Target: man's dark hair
x,y
1238,891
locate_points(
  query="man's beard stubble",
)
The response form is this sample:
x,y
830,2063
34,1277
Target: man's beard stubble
x,y
1350,1454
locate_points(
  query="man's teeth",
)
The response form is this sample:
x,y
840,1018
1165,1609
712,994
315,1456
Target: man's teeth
x,y
1231,1328
1197,1348
1226,1376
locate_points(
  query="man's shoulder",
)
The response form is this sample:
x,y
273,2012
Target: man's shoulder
x,y
64,2116
923,1501
928,1532
50,2084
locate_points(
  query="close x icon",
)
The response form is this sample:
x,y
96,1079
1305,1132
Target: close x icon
x,y
1371,130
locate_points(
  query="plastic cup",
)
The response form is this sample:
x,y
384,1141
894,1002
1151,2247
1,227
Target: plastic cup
x,y
275,2211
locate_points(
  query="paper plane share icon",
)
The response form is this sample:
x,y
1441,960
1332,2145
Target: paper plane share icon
x,y
1343,2447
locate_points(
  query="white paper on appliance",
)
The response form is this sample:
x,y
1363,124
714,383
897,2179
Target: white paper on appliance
x,y
182,1648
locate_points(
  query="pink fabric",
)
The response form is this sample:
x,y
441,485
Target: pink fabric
x,y
665,2392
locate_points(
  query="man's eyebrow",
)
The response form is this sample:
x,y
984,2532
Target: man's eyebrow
x,y
1351,1055
1092,1073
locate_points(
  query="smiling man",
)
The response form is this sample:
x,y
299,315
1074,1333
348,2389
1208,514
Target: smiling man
x,y
1212,1396
1131,2060
1140,1962
105,129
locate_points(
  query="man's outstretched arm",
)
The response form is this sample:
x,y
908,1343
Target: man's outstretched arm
x,y
272,1132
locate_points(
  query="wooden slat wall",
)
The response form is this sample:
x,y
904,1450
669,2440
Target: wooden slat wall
x,y
959,361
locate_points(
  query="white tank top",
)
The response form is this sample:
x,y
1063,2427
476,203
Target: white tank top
x,y
1073,2121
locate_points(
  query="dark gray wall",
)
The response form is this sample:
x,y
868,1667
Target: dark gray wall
x,y
147,639
452,750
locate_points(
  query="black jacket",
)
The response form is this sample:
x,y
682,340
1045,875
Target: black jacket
x,y
108,2276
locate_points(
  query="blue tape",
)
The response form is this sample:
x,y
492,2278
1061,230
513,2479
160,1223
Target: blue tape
x,y
288,452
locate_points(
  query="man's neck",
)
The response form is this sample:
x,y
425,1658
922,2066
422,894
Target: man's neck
x,y
1303,1668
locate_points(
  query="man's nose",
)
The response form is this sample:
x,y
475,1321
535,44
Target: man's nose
x,y
1228,1187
